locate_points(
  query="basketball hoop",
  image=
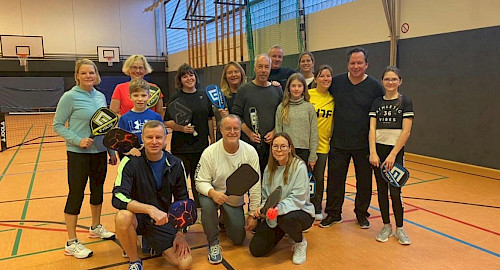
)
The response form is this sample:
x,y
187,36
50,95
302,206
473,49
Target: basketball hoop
x,y
110,60
23,60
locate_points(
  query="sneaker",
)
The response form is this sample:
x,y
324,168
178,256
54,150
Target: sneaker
x,y
330,220
363,222
214,254
318,217
307,230
78,250
402,236
299,252
137,265
101,232
385,233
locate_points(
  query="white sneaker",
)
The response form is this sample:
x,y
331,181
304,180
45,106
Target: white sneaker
x,y
402,237
299,252
318,217
78,250
384,233
101,232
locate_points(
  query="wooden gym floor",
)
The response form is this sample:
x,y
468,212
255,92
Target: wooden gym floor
x,y
452,214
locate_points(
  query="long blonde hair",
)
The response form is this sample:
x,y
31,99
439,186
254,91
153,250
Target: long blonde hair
x,y
224,85
292,163
285,105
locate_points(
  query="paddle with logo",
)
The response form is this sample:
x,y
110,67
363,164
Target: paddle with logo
x,y
397,177
181,113
102,121
155,95
216,96
241,180
121,140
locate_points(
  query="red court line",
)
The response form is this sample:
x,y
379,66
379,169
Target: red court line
x,y
454,219
447,217
38,228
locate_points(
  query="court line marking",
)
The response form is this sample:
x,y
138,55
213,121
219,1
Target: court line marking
x,y
26,204
441,233
453,170
48,197
15,154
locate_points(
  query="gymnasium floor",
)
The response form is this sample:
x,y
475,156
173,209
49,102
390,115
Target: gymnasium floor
x,y
452,214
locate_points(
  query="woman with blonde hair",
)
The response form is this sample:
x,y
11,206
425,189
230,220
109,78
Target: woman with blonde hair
x,y
87,158
232,77
136,66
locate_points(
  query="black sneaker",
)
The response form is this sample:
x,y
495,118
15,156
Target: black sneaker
x,y
330,220
363,222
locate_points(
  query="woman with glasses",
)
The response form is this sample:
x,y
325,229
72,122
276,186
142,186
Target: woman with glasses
x,y
297,117
295,211
391,118
136,66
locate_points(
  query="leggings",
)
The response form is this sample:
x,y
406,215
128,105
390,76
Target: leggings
x,y
383,187
82,167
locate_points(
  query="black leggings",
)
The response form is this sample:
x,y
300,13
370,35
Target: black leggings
x,y
383,187
81,167
266,238
190,161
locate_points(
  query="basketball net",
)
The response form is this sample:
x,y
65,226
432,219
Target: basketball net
x,y
23,60
110,60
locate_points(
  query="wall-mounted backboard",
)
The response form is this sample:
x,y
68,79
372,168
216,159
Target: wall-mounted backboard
x,y
12,46
108,54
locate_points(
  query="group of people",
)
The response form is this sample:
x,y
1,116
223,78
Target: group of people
x,y
284,124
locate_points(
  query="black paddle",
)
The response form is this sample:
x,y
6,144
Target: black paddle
x,y
241,180
273,200
181,113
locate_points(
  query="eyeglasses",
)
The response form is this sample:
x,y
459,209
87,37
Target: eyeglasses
x,y
137,68
232,129
276,147
392,80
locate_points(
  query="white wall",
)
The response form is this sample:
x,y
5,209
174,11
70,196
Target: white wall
x,y
79,26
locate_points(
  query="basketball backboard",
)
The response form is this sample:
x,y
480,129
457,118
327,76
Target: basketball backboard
x,y
108,54
12,46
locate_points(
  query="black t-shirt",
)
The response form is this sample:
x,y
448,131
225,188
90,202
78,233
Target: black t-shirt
x,y
389,115
281,75
202,111
352,105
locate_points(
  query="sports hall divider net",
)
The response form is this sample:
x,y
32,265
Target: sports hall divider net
x,y
270,22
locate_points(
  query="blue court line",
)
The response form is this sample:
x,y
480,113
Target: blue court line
x,y
442,234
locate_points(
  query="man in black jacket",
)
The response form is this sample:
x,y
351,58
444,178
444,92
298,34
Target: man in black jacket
x,y
143,193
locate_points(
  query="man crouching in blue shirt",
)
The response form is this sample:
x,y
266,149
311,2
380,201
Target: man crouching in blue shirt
x,y
143,192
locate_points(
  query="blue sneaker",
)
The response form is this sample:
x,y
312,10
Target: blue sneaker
x,y
137,265
214,254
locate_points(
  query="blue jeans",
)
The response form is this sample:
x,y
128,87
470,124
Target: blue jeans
x,y
234,220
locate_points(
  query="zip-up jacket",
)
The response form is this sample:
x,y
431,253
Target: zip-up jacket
x,y
135,181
